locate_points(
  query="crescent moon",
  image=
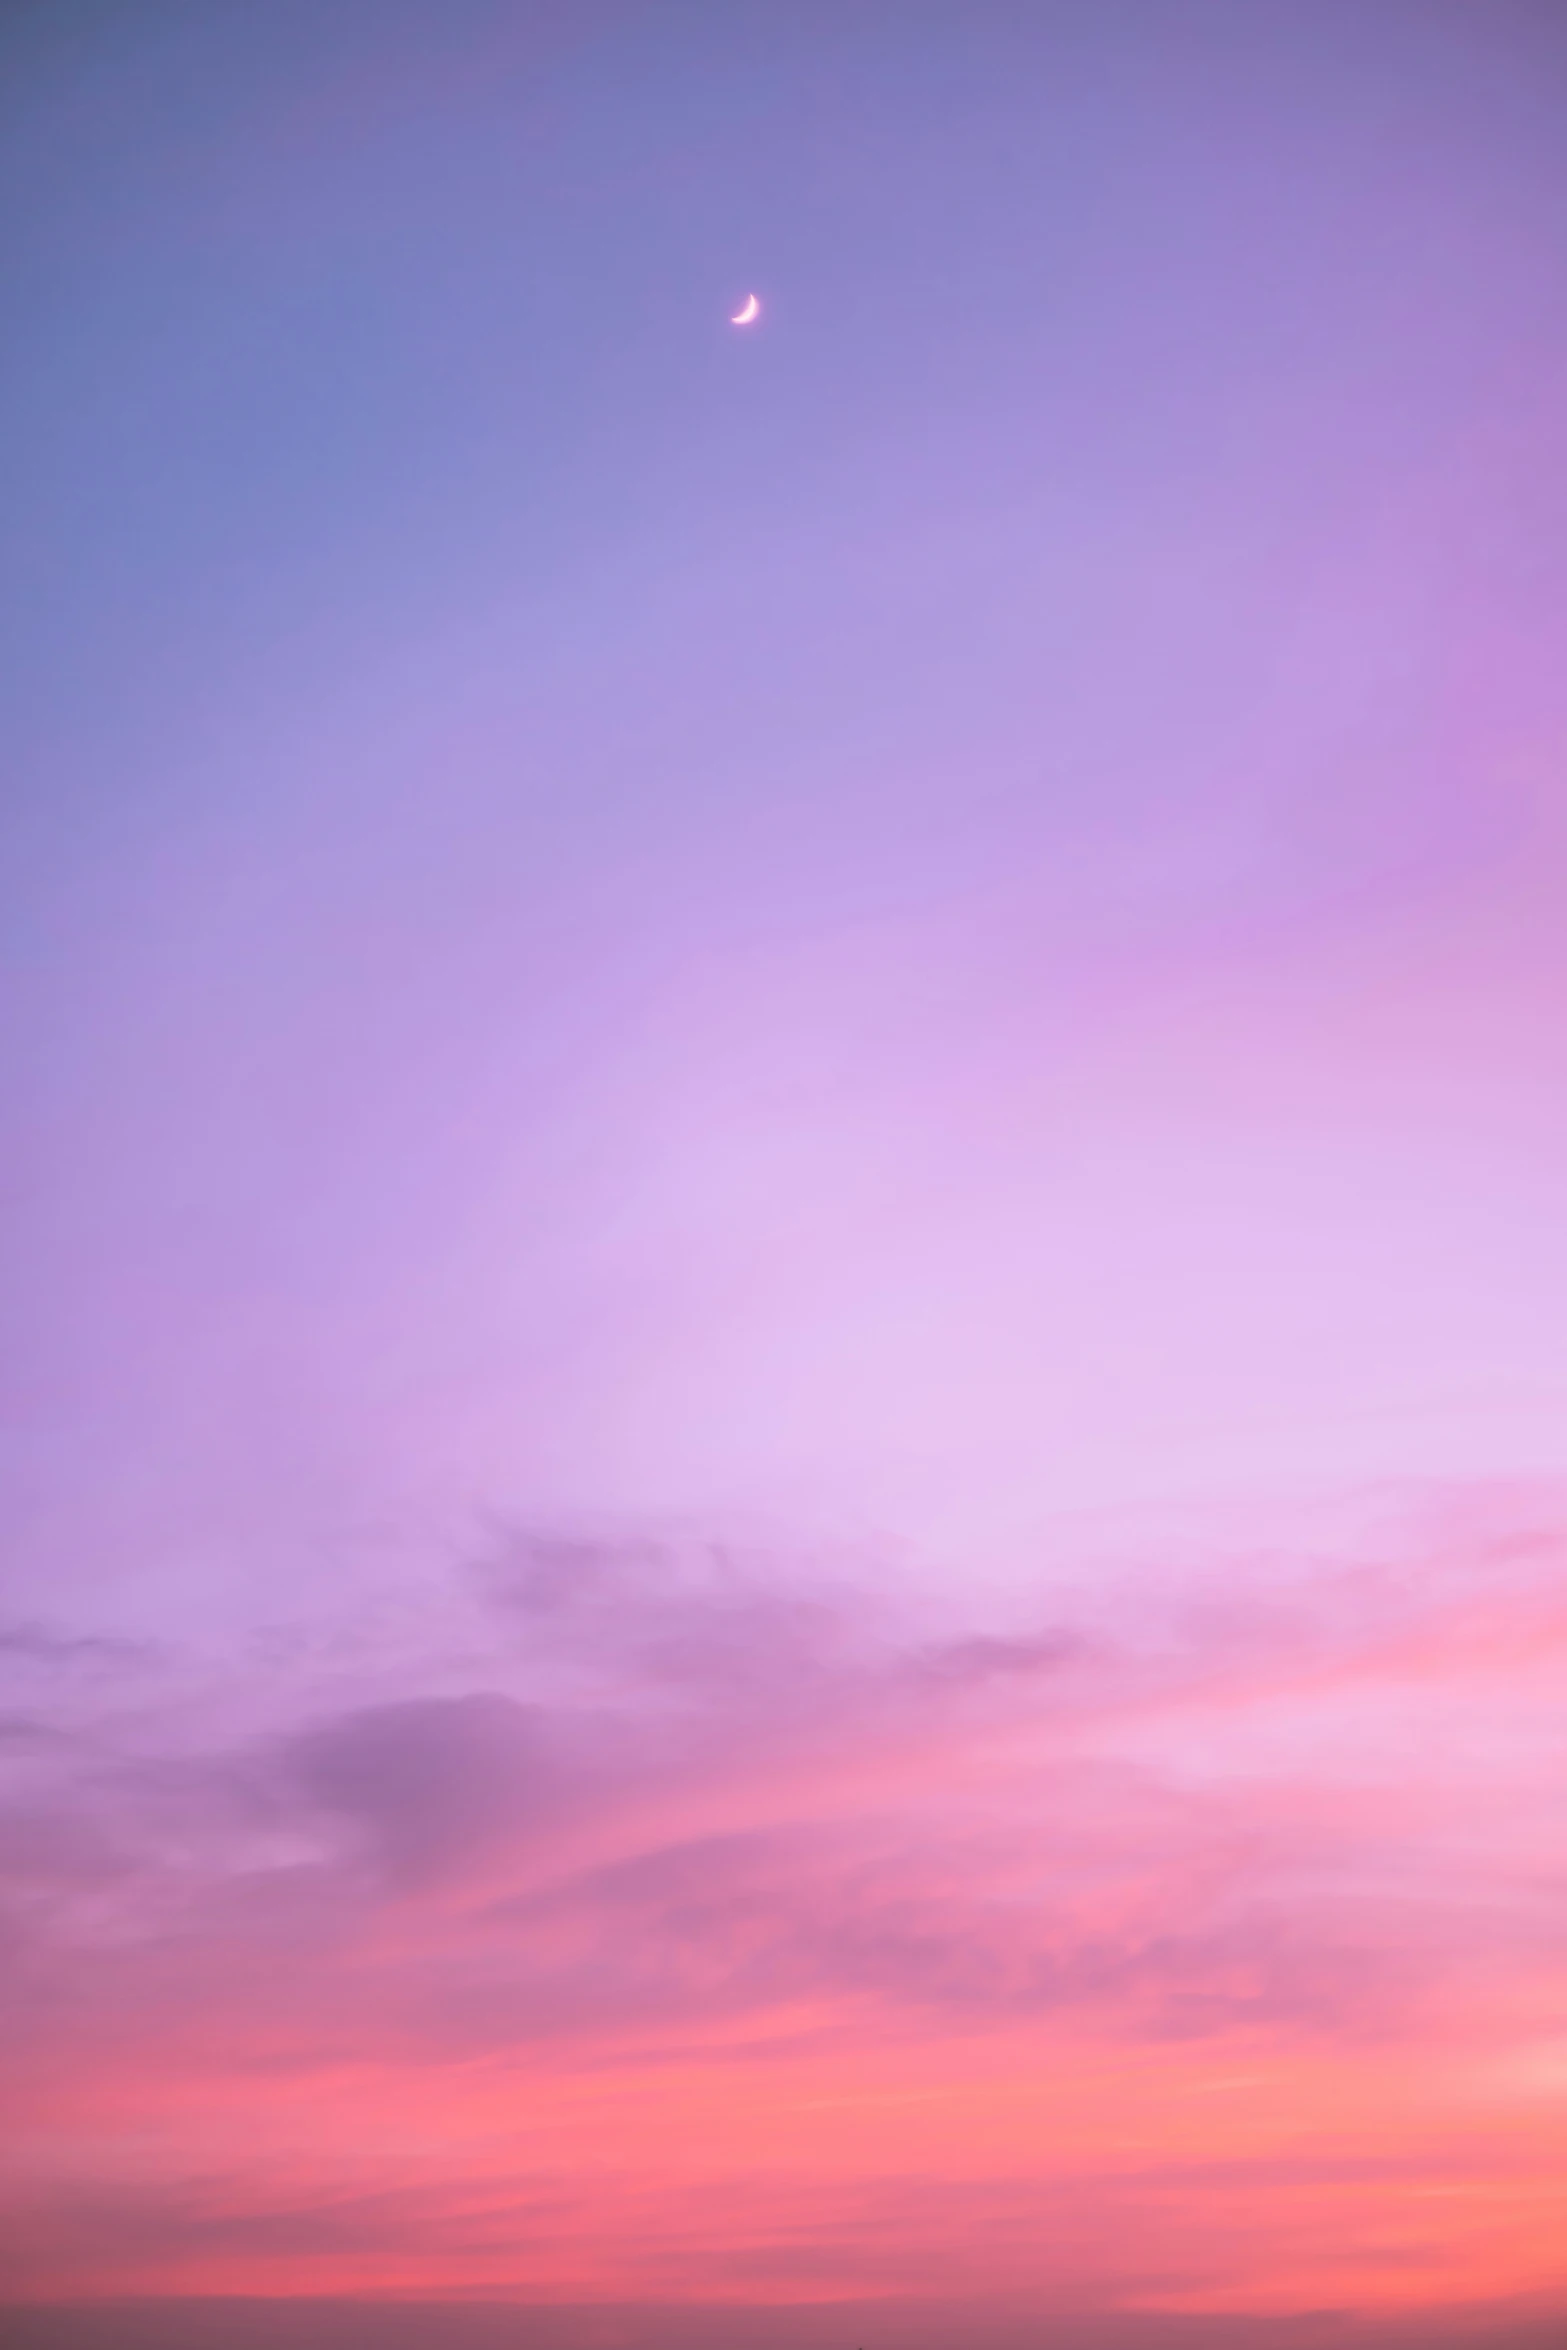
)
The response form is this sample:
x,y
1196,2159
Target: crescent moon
x,y
750,308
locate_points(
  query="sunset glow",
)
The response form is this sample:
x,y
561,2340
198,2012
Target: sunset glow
x,y
785,1464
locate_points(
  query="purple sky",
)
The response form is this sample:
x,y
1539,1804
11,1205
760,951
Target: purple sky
x,y
927,944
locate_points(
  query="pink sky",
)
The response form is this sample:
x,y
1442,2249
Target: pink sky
x,y
633,1922
784,1429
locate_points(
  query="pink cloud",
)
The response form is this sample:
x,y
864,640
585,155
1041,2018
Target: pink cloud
x,y
641,1919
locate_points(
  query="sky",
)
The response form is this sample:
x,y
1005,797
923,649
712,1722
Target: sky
x,y
784,1445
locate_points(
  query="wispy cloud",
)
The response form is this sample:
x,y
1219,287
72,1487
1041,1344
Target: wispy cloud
x,y
654,1906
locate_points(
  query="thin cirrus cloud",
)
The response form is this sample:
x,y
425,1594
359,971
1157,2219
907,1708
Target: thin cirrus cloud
x,y
643,1918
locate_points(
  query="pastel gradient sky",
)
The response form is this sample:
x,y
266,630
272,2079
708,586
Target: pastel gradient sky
x,y
784,1432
